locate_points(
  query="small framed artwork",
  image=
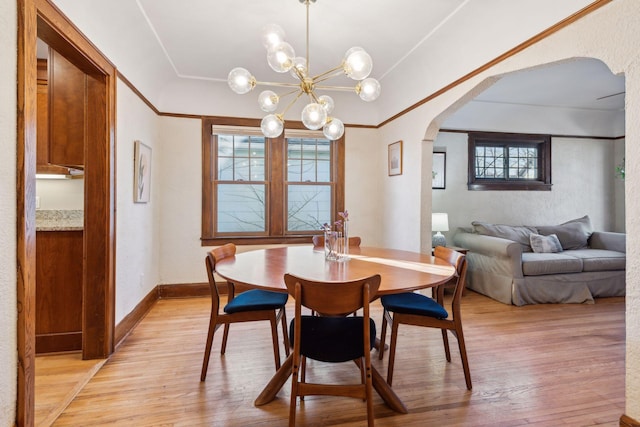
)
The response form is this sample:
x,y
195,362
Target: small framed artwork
x,y
439,171
395,158
141,173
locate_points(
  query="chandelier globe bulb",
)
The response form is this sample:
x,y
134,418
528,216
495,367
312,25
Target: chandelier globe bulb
x,y
314,116
368,89
280,57
299,64
272,34
272,126
268,101
358,65
240,80
334,129
327,103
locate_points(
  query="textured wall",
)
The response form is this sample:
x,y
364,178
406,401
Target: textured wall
x,y
8,343
577,164
138,237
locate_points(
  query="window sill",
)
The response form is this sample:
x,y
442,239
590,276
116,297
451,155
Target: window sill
x,y
263,240
515,186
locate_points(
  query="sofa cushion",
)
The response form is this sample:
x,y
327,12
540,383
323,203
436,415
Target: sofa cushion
x,y
572,234
599,259
517,233
545,244
539,264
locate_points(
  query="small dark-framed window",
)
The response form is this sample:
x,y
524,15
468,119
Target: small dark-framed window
x,y
509,161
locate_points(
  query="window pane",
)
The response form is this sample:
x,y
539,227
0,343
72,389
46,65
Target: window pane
x,y
241,172
225,145
309,206
308,171
308,148
294,168
225,168
257,169
294,148
241,208
324,149
324,171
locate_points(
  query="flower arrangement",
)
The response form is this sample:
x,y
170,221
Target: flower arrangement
x,y
336,243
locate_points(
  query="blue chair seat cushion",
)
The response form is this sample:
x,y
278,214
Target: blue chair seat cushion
x,y
332,339
413,303
256,299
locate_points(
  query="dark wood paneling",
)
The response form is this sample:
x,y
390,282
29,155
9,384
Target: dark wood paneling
x,y
59,262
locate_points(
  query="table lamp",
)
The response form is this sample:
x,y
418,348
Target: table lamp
x,y
439,222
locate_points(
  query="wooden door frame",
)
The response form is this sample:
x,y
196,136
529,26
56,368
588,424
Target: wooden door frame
x,y
40,18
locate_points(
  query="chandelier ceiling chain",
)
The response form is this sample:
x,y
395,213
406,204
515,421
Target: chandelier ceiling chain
x,y
356,64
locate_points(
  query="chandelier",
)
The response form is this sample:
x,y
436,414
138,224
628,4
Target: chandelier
x,y
356,64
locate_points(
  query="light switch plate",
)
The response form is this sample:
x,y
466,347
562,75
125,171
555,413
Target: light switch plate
x,y
37,202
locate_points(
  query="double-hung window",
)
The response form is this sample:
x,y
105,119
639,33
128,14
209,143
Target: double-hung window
x,y
259,190
504,161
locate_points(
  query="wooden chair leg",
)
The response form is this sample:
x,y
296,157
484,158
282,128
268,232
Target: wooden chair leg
x,y
225,335
445,340
294,392
207,351
303,371
274,338
285,334
383,334
392,351
465,361
369,391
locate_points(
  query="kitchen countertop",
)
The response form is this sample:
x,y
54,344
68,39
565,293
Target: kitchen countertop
x,y
59,220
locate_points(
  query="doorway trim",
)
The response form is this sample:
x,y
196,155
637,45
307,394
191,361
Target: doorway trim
x,y
40,18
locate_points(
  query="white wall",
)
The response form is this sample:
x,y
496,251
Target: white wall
x,y
60,193
583,184
137,226
8,295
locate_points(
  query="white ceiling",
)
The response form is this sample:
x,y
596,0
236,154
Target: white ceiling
x,y
178,53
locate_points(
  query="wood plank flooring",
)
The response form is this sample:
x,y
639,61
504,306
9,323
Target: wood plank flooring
x,y
543,365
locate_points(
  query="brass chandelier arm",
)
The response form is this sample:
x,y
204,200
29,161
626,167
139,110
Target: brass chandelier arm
x,y
341,88
328,74
293,101
277,84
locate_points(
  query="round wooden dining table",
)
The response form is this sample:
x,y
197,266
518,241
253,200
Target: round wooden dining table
x,y
400,271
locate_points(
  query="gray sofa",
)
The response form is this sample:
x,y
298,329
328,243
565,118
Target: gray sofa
x,y
574,264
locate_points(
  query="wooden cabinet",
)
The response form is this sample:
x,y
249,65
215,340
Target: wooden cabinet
x,y
67,106
59,264
61,115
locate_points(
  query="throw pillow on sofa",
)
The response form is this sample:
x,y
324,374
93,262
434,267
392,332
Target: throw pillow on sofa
x,y
517,233
572,234
545,244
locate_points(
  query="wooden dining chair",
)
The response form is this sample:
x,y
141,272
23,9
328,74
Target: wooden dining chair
x,y
331,336
318,240
416,309
248,306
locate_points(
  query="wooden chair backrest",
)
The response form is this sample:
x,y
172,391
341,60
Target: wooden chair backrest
x,y
459,261
333,298
318,240
213,256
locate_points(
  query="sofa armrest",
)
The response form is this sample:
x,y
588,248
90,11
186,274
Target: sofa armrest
x,y
608,240
506,255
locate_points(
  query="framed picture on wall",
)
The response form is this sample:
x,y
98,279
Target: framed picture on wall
x,y
439,171
395,158
141,173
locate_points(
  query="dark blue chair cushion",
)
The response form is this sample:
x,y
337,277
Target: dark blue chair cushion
x,y
332,339
412,303
256,299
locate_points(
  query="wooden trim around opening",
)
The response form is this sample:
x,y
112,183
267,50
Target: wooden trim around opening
x,y
626,421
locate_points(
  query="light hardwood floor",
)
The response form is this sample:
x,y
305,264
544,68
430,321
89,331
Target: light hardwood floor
x,y
544,365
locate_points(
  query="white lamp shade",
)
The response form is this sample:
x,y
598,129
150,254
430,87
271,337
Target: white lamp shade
x,y
439,222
